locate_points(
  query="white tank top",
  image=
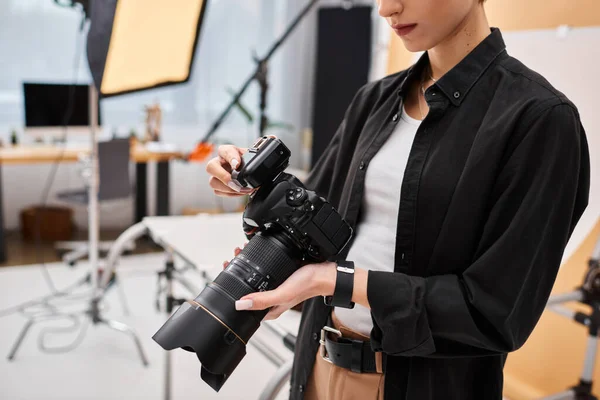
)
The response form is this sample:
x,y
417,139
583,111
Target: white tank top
x,y
374,244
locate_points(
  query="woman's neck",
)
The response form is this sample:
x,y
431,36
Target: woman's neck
x,y
467,35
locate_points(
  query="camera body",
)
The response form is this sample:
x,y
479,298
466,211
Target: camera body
x,y
287,227
314,226
284,204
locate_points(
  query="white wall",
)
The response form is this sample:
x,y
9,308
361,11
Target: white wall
x,y
570,64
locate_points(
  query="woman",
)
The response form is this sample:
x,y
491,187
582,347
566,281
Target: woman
x,y
463,178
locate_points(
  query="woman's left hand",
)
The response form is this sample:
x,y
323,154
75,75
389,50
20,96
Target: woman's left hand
x,y
306,282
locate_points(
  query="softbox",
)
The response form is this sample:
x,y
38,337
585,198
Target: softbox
x,y
135,45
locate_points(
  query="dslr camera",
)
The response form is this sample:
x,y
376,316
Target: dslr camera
x,y
287,226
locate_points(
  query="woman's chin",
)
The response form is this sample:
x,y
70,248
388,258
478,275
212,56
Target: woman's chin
x,y
413,47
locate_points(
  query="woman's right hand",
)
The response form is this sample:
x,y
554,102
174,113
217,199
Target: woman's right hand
x,y
220,168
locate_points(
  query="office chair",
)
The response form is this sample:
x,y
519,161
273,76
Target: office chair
x,y
115,184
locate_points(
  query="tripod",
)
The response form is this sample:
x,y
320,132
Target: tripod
x,y
93,313
589,294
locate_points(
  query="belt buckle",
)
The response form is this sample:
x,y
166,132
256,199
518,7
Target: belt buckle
x,y
322,349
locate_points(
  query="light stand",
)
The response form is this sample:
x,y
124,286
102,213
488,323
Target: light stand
x,y
170,303
589,294
93,232
125,56
94,310
260,74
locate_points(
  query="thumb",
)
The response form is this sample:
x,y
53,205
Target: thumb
x,y
231,154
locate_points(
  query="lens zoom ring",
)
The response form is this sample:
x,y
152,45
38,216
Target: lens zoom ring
x,y
264,252
233,285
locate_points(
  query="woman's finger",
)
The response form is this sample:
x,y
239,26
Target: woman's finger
x,y
216,184
219,169
231,154
228,194
237,251
261,300
221,178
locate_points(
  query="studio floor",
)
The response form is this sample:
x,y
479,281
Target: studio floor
x,y
106,364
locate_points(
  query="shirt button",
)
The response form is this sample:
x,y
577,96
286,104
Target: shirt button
x,y
315,337
456,95
362,165
395,117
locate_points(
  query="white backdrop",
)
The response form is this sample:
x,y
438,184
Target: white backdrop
x,y
570,64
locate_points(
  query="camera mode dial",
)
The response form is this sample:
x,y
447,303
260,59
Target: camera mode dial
x,y
295,197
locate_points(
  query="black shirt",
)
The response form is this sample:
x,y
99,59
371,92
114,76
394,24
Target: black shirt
x,y
496,180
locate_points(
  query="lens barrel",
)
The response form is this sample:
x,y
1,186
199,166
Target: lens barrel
x,y
210,325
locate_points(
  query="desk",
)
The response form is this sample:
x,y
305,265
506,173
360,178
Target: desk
x,y
139,154
48,154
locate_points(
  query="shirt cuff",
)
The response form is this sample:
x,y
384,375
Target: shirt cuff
x,y
400,324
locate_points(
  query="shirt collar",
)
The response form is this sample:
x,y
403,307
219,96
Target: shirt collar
x,y
457,82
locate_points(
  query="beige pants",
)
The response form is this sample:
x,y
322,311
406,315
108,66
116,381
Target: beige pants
x,y
330,382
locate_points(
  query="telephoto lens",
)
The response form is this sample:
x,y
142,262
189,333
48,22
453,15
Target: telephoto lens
x,y
211,326
288,226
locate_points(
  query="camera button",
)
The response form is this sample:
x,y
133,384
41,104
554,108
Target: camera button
x,y
229,337
296,197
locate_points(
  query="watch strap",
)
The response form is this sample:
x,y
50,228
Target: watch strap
x,y
344,286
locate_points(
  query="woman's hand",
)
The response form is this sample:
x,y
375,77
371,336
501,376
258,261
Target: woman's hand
x,y
308,281
220,168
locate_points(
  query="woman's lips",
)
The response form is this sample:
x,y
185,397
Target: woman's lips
x,y
403,29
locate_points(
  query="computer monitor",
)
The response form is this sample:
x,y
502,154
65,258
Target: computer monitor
x,y
46,106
